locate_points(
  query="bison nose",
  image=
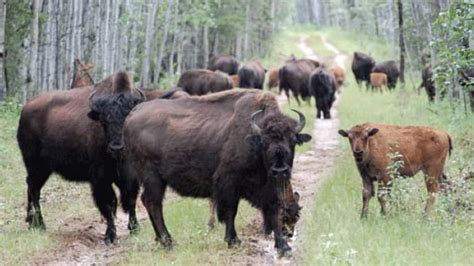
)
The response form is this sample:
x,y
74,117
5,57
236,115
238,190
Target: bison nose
x,y
280,171
358,153
114,147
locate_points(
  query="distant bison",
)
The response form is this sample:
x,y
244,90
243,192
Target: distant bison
x,y
390,68
203,81
339,74
224,63
323,88
252,75
273,78
294,77
417,148
427,82
378,81
235,81
56,135
362,65
226,146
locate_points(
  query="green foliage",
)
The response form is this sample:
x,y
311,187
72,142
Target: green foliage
x,y
453,29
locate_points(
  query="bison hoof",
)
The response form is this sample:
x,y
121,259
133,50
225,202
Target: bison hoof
x,y
167,242
35,222
233,243
110,236
284,251
134,228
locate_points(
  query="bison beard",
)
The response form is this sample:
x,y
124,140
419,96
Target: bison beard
x,y
55,135
213,147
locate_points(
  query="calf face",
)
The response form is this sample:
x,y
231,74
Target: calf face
x,y
276,141
359,139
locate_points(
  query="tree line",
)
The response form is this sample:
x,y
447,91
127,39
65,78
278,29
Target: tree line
x,y
154,40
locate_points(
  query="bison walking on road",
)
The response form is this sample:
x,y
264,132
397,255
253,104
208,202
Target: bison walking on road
x,y
203,81
56,135
323,88
294,77
418,148
224,146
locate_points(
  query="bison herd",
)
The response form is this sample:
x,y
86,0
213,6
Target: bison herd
x,y
207,140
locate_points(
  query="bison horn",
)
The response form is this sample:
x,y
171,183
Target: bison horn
x,y
255,128
302,121
142,94
92,94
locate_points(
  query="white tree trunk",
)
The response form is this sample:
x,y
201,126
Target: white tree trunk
x,y
164,39
149,33
31,71
247,29
3,84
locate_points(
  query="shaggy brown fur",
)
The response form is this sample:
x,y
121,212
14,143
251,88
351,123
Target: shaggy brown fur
x,y
362,65
203,81
294,77
421,149
339,75
427,82
224,63
390,68
235,81
252,75
273,78
378,81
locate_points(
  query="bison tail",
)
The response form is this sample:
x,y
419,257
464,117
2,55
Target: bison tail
x,y
450,145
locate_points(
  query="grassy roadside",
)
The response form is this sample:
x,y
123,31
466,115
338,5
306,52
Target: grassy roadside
x,y
334,233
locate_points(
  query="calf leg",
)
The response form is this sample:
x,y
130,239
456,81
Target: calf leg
x,y
383,193
367,194
431,179
152,198
106,201
37,177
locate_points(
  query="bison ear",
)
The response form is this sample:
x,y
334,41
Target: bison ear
x,y
93,115
344,133
254,140
372,131
302,138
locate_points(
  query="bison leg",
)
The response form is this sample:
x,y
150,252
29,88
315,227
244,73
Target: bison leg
x,y
152,198
227,206
367,194
327,109
37,177
271,214
128,198
212,218
106,201
383,193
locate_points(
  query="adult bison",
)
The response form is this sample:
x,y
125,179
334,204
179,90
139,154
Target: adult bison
x,y
224,146
418,148
427,82
362,65
203,81
56,135
378,81
273,78
252,75
390,68
224,63
323,88
294,77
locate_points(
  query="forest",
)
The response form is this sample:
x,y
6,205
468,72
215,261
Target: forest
x,y
216,132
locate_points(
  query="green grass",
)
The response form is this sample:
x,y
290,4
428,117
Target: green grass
x,y
334,234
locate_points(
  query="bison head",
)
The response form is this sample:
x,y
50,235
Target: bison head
x,y
276,141
111,109
291,215
359,140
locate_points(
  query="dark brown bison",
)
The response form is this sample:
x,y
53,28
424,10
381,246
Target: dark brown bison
x,y
427,82
252,75
203,81
82,76
273,78
418,148
378,81
224,63
362,65
294,77
323,87
390,68
56,135
224,146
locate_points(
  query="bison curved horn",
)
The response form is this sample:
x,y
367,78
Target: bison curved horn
x,y
141,94
255,128
92,94
302,121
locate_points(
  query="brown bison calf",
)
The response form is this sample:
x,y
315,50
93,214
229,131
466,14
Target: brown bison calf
x,y
235,80
340,76
378,81
420,148
273,78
